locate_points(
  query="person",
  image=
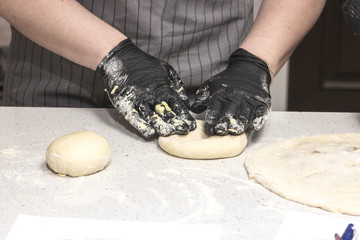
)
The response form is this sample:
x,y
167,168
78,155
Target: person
x,y
146,53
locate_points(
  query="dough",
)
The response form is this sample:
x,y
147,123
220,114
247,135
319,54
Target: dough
x,y
78,154
198,145
319,171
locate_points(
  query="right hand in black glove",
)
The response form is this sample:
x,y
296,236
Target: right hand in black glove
x,y
237,98
146,91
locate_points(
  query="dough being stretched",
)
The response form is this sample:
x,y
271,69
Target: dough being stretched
x,y
198,145
78,154
319,171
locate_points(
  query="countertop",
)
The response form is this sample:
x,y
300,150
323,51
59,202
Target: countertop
x,y
142,183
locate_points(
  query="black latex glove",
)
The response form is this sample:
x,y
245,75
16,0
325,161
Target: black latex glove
x,y
236,98
146,91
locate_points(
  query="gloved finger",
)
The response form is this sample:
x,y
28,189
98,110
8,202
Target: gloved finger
x,y
228,112
176,83
162,128
169,116
236,126
229,123
134,118
148,112
221,127
182,112
212,115
125,106
161,115
202,98
260,117
245,116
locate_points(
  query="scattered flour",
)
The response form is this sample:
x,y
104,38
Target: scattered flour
x,y
9,151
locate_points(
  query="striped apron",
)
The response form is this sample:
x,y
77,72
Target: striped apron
x,y
195,37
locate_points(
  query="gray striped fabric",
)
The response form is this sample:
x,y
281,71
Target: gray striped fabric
x,y
195,37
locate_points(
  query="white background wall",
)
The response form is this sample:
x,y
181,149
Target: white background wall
x,y
279,86
5,34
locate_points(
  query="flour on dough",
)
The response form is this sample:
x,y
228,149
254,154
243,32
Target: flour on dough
x,y
79,153
318,171
198,145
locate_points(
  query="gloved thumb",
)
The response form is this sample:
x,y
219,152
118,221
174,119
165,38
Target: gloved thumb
x,y
202,98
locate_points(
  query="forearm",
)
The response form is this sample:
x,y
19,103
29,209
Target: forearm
x,y
64,27
279,27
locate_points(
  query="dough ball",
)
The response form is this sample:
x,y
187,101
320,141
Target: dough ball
x,y
78,154
198,145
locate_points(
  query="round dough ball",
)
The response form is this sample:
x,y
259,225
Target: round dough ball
x,y
78,154
198,145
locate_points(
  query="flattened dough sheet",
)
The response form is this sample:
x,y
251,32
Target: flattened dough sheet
x,y
319,171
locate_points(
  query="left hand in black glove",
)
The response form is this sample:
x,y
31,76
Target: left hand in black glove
x,y
146,91
237,98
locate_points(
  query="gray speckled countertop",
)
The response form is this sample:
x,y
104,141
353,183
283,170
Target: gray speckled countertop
x,y
142,183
